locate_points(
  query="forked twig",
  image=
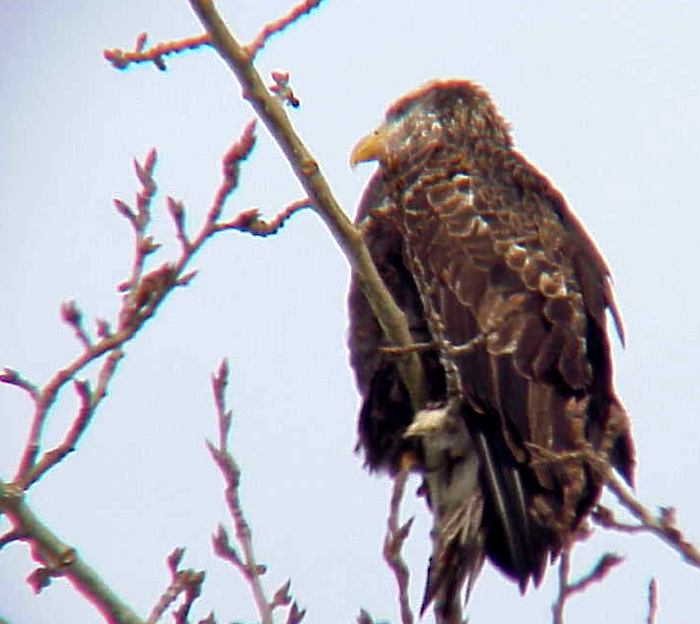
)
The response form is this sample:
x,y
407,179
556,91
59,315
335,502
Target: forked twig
x,y
155,54
244,561
393,543
144,292
187,582
605,564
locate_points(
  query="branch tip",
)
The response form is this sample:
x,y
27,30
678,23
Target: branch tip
x,y
277,26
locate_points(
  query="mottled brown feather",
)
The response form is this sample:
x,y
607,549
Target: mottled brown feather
x,y
479,248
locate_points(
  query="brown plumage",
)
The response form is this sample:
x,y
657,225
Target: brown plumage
x,y
508,296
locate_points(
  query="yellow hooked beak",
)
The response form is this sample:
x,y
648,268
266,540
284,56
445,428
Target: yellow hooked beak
x,y
371,147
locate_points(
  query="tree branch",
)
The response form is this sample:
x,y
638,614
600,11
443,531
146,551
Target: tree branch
x,y
58,559
187,582
247,563
271,111
121,60
663,525
144,293
652,601
277,26
567,589
393,543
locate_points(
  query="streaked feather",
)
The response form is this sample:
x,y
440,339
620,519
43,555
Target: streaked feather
x,y
481,251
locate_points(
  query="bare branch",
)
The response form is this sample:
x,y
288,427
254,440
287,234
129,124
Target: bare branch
x,y
244,562
72,316
652,601
58,559
144,294
89,401
663,526
12,535
13,378
139,221
605,517
247,565
393,543
187,582
250,221
271,111
566,589
277,26
121,59
237,153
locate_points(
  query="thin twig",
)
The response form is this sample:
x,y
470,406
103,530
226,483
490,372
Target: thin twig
x,y
393,543
89,402
245,562
144,295
12,535
566,589
156,54
663,526
231,166
72,316
250,221
187,582
13,378
278,25
652,601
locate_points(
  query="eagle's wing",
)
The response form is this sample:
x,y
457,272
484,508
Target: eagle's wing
x,y
519,294
519,286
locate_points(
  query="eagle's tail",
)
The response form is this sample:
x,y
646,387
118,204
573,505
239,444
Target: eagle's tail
x,y
452,487
514,543
458,554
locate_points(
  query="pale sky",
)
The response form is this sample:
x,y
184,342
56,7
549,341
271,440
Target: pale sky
x,y
603,97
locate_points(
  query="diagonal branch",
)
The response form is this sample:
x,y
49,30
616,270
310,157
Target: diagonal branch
x,y
663,526
277,26
271,111
58,559
89,402
144,293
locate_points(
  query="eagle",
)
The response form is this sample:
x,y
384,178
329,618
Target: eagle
x,y
506,297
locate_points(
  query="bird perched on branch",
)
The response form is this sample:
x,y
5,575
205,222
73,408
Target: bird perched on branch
x,y
505,295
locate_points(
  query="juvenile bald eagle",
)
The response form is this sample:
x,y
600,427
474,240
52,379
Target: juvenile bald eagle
x,y
506,298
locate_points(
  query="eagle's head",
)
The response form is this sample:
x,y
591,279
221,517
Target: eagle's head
x,y
440,115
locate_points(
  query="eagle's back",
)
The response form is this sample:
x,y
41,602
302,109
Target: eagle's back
x,y
486,245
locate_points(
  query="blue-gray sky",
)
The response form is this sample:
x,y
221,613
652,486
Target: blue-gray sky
x,y
603,97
